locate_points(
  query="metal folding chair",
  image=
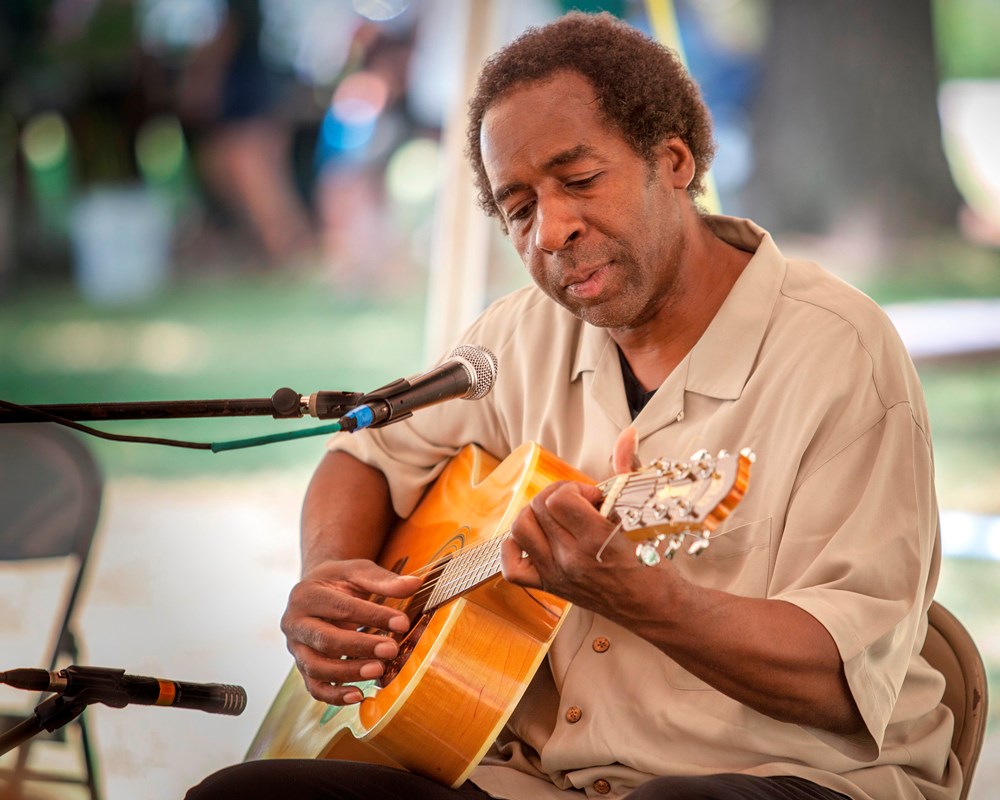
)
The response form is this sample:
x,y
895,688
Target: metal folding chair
x,y
50,501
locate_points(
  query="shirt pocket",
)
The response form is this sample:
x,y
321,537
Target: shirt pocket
x,y
736,561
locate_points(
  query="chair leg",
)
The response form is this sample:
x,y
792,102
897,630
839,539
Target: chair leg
x,y
20,766
20,772
90,762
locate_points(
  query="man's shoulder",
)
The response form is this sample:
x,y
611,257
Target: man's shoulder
x,y
849,330
824,294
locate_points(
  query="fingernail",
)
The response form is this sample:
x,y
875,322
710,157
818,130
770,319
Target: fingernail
x,y
386,649
400,624
371,670
353,697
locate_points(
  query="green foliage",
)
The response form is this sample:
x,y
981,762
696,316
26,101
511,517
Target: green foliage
x,y
967,33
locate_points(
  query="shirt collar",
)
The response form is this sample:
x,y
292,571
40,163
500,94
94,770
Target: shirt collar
x,y
719,364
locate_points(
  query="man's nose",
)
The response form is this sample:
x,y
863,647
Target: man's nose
x,y
557,223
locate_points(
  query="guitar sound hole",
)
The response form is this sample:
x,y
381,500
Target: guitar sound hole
x,y
414,607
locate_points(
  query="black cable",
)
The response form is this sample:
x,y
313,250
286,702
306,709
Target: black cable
x,y
115,437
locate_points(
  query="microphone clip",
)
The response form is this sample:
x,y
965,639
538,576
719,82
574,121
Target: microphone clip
x,y
59,709
92,685
381,397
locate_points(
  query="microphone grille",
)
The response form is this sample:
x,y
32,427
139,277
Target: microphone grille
x,y
483,366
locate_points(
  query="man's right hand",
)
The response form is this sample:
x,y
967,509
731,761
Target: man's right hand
x,y
325,610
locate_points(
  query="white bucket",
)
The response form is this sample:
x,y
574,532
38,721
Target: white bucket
x,y
121,245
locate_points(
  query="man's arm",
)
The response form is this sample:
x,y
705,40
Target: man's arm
x,y
768,654
345,517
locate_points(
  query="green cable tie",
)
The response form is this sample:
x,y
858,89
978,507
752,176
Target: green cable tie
x,y
218,447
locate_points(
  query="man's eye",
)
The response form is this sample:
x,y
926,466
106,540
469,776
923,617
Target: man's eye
x,y
583,183
521,212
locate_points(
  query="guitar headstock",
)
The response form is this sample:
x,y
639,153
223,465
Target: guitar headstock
x,y
667,502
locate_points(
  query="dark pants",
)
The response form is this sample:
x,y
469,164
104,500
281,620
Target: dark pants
x,y
319,779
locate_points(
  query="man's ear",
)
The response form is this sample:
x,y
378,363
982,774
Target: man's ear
x,y
676,162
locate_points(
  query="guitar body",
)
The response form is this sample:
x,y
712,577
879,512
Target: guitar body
x,y
465,665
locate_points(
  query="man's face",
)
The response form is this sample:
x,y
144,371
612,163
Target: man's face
x,y
598,227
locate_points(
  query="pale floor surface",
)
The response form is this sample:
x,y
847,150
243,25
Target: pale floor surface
x,y
187,582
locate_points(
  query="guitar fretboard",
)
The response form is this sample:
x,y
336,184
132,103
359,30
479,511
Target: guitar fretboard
x,y
667,498
466,570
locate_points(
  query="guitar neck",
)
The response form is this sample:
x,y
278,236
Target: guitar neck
x,y
657,507
466,570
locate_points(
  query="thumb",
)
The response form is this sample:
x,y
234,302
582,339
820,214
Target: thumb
x,y
624,456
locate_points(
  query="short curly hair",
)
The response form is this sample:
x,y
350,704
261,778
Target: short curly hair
x,y
645,93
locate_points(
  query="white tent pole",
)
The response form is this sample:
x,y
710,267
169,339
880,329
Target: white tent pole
x,y
459,253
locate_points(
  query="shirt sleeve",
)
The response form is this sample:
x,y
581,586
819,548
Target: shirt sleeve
x,y
859,541
412,453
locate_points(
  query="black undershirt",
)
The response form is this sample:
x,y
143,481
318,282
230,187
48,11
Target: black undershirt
x,y
636,396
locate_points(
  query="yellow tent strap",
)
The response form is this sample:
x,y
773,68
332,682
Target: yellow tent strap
x,y
663,21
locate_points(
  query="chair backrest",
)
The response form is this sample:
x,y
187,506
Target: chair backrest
x,y
950,649
50,492
50,501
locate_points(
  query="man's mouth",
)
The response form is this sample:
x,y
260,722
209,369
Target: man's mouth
x,y
589,284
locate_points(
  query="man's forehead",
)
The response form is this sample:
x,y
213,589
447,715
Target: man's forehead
x,y
548,117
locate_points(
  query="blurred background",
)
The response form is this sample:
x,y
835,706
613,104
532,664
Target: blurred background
x,y
208,199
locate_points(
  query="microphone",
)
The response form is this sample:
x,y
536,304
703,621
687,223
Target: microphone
x,y
114,688
467,374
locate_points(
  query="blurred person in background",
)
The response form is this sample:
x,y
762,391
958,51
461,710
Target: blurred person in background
x,y
228,97
369,119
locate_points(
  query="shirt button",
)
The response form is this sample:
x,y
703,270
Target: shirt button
x,y
601,644
574,713
601,786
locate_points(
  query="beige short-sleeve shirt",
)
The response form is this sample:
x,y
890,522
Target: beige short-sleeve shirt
x,y
840,519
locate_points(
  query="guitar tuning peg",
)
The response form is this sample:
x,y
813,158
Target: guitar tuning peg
x,y
699,545
673,546
647,553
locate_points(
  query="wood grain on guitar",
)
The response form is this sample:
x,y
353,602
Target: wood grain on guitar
x,y
476,640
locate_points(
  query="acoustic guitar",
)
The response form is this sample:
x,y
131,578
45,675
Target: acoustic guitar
x,y
475,640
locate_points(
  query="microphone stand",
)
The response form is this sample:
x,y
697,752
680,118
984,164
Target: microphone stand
x,y
49,715
285,403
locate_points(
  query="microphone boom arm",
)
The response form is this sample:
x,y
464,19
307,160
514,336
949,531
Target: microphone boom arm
x,y
285,403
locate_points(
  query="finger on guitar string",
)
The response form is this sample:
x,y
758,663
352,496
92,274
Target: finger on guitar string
x,y
569,519
340,592
362,577
331,693
536,533
320,672
338,641
516,564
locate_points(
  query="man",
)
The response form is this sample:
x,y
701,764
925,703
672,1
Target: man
x,y
782,664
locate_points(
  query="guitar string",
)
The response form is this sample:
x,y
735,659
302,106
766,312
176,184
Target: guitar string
x,y
469,553
430,566
465,556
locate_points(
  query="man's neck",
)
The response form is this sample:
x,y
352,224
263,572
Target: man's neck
x,y
711,268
